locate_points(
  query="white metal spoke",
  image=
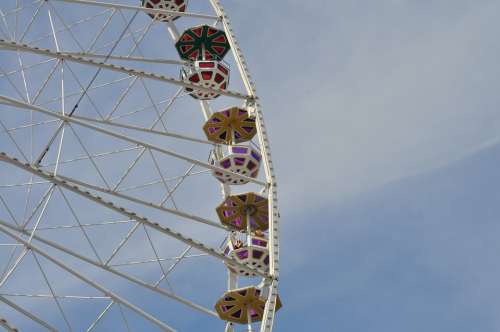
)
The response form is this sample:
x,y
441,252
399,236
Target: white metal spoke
x,y
165,230
42,201
128,58
124,318
87,153
132,35
32,66
172,267
131,232
129,168
20,94
28,314
70,31
145,203
125,37
44,85
155,251
136,8
181,179
132,72
180,93
22,184
157,111
163,180
122,97
80,91
111,270
42,212
142,202
10,35
83,225
91,283
152,183
23,75
9,211
18,261
69,26
95,156
84,91
78,297
30,24
18,148
159,118
12,255
106,162
46,149
130,140
101,315
145,130
73,213
18,4
27,126
101,31
160,259
52,292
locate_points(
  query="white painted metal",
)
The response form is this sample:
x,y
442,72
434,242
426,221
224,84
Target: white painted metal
x,y
146,10
27,314
108,268
128,58
268,320
88,281
66,118
132,215
129,71
25,230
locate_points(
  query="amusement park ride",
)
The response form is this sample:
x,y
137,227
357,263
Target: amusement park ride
x,y
234,131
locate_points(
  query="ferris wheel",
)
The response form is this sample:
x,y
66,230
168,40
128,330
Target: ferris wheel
x,y
137,190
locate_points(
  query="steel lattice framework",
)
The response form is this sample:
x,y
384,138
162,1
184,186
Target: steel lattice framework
x,y
107,190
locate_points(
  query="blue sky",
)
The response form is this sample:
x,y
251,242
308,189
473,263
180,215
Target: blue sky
x,y
384,122
416,254
383,118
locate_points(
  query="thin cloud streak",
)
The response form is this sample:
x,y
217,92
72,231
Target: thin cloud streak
x,y
357,95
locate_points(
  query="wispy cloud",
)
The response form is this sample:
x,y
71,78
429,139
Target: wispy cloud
x,y
359,93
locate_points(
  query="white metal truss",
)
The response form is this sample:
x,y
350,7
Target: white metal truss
x,y
107,144
143,9
121,210
269,313
129,71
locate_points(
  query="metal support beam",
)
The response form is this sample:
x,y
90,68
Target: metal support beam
x,y
28,314
144,203
23,105
86,280
143,9
129,71
128,58
132,215
108,268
